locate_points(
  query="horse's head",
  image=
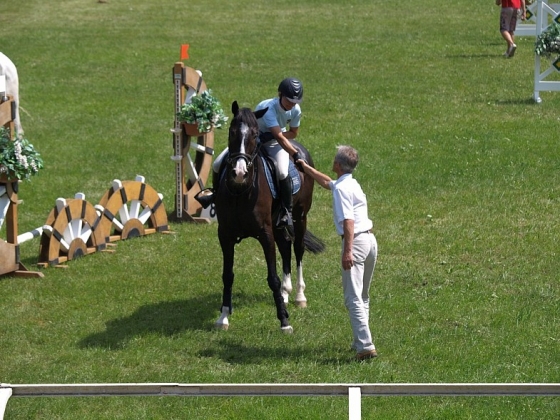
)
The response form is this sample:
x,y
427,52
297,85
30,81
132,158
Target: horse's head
x,y
242,141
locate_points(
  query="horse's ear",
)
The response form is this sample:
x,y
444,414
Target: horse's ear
x,y
260,113
234,108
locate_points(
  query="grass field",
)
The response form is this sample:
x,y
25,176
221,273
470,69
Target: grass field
x,y
459,165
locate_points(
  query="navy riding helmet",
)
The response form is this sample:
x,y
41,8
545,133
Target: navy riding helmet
x,y
291,89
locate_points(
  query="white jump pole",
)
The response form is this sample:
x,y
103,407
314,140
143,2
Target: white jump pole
x,y
27,236
4,204
5,394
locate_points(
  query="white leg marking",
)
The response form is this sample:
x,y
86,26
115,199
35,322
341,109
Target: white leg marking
x,y
301,300
286,287
223,322
287,330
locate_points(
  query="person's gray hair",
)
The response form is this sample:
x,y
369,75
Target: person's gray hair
x,y
347,157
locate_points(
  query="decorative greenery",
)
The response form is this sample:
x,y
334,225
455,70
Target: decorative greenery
x,y
548,42
18,157
204,110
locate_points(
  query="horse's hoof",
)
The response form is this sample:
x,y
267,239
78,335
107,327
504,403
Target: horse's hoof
x,y
301,303
221,326
287,330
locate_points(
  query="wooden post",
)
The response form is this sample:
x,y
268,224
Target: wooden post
x,y
193,152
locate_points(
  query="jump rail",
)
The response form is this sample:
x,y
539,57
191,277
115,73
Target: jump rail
x,y
354,392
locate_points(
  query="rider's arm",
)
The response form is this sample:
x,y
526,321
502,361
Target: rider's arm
x,y
283,139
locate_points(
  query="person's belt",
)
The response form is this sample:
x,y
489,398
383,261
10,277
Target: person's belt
x,y
359,233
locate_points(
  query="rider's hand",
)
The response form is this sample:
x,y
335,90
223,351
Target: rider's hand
x,y
297,156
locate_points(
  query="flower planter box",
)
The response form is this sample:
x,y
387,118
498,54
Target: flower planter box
x,y
6,178
192,130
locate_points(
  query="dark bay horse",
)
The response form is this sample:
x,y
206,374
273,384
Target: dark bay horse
x,y
245,208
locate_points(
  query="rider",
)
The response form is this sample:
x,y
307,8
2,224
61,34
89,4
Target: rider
x,y
277,127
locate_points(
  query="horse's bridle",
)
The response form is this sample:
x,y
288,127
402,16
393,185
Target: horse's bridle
x,y
248,158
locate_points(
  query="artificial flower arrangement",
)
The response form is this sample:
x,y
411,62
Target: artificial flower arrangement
x,y
18,158
204,111
548,42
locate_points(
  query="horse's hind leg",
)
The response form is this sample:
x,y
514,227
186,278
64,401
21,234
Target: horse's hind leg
x,y
299,249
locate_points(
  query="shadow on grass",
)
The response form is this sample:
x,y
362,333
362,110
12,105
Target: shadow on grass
x,y
167,318
520,101
234,351
469,56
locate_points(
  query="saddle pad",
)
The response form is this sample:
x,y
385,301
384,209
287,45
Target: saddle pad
x,y
270,177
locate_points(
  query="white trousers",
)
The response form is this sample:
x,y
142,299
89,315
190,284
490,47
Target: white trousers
x,y
355,285
280,156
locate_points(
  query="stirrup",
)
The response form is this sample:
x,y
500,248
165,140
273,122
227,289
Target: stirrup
x,y
284,220
205,197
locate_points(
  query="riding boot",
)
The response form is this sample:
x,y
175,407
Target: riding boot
x,y
206,196
285,217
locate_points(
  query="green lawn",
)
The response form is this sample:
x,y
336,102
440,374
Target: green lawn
x,y
460,167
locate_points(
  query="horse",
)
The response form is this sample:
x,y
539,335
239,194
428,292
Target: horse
x,y
9,70
245,207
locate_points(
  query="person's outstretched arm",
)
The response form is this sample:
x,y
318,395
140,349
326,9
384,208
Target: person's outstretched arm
x,y
322,179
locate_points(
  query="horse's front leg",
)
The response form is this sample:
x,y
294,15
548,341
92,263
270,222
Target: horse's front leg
x,y
228,249
267,243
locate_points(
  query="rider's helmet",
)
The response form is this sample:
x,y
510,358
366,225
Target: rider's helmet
x,y
291,89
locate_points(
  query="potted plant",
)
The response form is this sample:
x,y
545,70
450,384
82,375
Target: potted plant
x,y
202,114
548,42
18,158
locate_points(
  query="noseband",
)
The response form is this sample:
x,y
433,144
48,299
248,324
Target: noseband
x,y
248,158
249,161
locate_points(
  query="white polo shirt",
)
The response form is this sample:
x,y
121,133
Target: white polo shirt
x,y
349,202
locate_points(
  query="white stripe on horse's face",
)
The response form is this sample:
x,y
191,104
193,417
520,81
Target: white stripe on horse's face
x,y
241,164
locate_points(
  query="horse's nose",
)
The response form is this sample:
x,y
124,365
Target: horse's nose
x,y
239,176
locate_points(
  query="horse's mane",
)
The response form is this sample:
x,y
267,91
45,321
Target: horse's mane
x,y
247,116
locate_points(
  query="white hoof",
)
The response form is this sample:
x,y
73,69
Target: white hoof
x,y
301,303
221,326
223,321
287,330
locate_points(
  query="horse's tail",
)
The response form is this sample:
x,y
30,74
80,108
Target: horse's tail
x,y
312,243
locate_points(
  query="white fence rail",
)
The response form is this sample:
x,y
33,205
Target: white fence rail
x,y
354,392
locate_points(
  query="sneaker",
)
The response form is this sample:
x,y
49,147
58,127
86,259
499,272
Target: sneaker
x,y
511,50
369,354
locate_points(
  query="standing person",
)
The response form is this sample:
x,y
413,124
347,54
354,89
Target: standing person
x,y
359,245
277,127
508,22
